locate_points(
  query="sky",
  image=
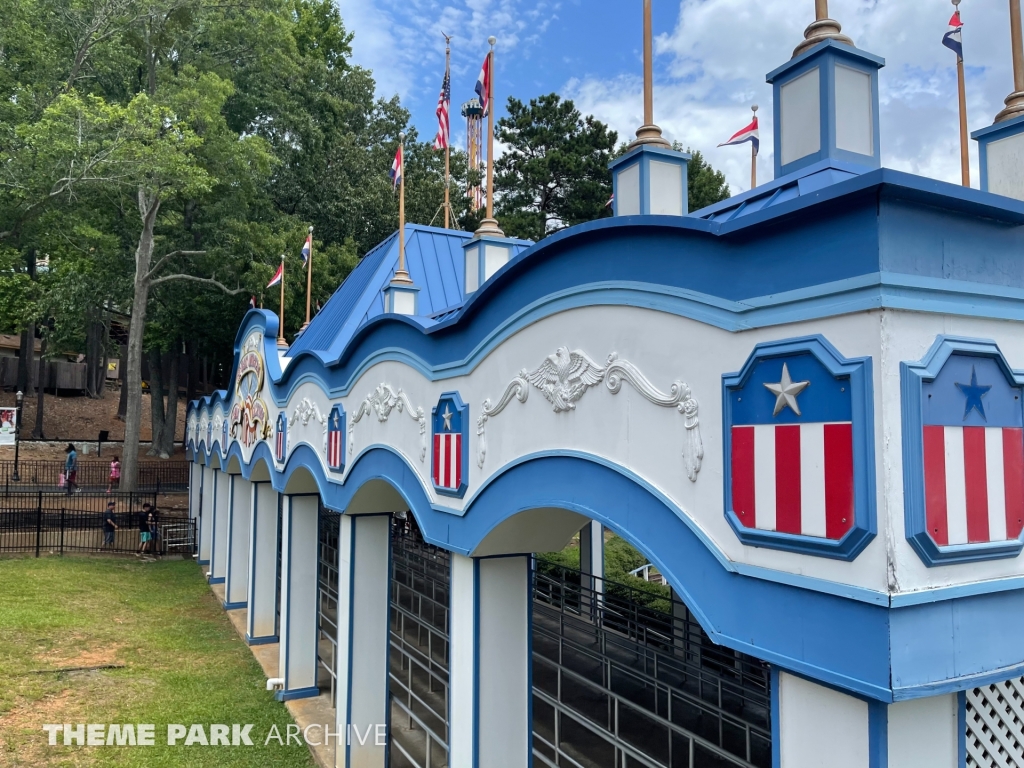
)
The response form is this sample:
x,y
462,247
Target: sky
x,y
711,57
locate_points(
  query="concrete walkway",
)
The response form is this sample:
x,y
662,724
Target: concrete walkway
x,y
316,712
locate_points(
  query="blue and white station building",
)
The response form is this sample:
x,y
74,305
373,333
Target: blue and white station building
x,y
803,405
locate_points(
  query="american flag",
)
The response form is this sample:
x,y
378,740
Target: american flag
x,y
444,102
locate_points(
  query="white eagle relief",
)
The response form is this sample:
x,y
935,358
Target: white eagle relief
x,y
564,376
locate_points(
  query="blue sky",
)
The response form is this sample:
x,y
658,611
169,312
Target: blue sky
x,y
711,58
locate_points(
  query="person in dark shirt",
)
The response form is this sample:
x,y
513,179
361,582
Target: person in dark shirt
x,y
109,525
145,535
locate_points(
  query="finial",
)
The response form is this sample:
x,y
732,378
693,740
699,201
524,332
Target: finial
x,y
401,137
649,133
1015,101
754,109
822,28
492,40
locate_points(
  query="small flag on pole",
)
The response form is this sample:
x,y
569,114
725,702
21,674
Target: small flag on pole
x,y
318,305
396,169
483,84
277,276
953,39
307,248
610,201
252,302
750,133
444,101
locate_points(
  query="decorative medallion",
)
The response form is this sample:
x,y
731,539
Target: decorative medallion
x,y
336,439
564,377
250,421
450,457
963,453
799,472
382,401
281,438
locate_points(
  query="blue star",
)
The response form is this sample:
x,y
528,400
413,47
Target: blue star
x,y
974,392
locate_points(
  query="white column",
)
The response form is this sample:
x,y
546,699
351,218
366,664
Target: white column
x,y
261,622
236,580
820,726
924,733
206,514
592,560
299,541
491,667
364,579
219,540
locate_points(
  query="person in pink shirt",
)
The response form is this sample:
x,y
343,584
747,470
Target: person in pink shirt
x,y
115,475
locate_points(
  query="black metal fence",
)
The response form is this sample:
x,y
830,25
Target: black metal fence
x,y
56,523
44,475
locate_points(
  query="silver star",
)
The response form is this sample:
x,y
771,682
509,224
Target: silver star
x,y
786,391
447,416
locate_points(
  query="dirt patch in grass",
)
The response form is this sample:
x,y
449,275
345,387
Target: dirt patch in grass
x,y
65,658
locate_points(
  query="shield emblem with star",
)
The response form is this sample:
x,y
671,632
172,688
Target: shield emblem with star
x,y
963,434
281,437
797,463
450,455
336,439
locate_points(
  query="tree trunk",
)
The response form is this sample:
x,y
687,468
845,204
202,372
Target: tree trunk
x,y
104,359
26,358
122,367
171,414
156,400
37,432
190,385
91,353
149,206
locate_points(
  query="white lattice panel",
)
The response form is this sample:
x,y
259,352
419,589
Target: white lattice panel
x,y
995,725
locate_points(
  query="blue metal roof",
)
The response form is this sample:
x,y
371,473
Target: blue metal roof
x,y
436,263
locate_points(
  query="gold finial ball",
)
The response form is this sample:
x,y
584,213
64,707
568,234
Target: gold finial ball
x,y
492,40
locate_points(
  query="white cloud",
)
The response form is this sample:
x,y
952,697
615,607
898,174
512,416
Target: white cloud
x,y
711,67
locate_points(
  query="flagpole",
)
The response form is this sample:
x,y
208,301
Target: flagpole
x,y
447,143
490,130
1015,101
401,275
965,158
309,277
280,311
753,155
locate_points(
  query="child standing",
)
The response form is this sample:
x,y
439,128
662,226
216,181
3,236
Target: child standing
x,y
115,475
71,469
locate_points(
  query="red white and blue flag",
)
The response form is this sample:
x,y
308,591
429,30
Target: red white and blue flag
x,y
278,276
448,466
396,169
953,39
307,248
252,302
483,84
973,446
444,100
750,133
791,444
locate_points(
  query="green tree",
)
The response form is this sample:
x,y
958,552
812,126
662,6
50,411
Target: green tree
x,y
554,173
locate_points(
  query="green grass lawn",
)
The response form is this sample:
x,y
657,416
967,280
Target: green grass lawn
x,y
183,663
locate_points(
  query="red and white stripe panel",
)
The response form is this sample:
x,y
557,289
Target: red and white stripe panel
x,y
279,444
448,460
973,484
794,478
334,449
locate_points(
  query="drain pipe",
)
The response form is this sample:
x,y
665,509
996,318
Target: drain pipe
x,y
273,683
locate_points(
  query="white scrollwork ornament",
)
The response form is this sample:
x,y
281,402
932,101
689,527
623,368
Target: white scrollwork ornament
x,y
306,411
564,377
382,401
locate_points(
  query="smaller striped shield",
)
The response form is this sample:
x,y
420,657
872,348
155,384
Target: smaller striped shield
x,y
973,454
336,439
281,437
450,454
